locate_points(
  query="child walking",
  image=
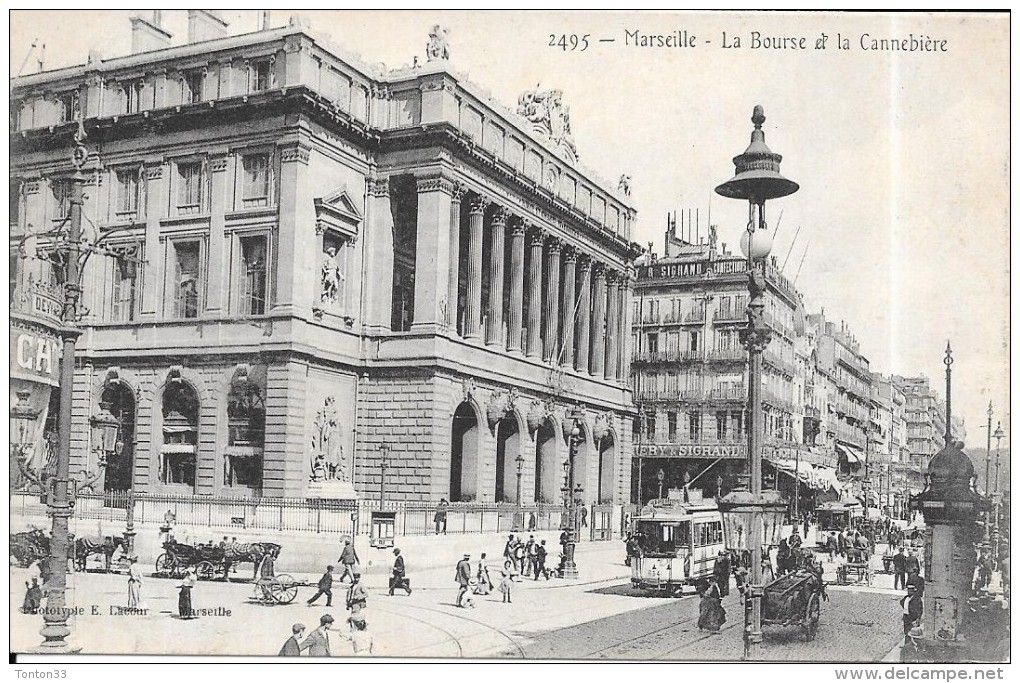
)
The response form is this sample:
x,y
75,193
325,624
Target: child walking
x,y
507,581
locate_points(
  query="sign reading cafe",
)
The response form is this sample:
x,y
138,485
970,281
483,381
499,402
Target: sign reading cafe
x,y
725,451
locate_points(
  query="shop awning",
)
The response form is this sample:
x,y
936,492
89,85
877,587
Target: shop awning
x,y
852,455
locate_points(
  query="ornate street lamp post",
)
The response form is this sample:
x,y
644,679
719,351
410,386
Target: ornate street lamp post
x,y
519,515
570,493
988,462
995,495
661,476
752,518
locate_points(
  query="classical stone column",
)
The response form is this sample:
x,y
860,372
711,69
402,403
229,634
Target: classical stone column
x,y
569,277
218,248
516,284
536,242
473,307
625,324
598,351
584,316
494,324
552,302
613,326
152,304
432,251
453,295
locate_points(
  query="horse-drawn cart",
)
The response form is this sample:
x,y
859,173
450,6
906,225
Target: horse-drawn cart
x,y
856,570
209,560
279,590
794,599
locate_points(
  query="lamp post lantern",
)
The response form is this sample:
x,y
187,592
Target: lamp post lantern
x,y
661,476
384,464
750,517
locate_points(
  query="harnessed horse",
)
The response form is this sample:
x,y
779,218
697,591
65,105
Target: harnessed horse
x,y
85,546
236,553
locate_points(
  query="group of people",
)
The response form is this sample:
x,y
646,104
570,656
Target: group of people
x,y
317,643
520,560
847,542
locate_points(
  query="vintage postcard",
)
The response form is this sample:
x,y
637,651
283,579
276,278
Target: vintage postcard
x,y
510,335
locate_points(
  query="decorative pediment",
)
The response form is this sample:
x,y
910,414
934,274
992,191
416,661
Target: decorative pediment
x,y
339,213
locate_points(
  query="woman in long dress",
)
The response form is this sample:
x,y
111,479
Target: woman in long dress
x,y
711,615
134,584
184,597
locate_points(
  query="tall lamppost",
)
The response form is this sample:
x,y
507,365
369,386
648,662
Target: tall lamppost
x,y
988,462
519,515
384,464
995,496
752,518
642,428
570,493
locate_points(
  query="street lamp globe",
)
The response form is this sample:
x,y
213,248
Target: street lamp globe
x,y
105,428
759,244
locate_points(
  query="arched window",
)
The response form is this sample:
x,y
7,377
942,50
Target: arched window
x,y
180,435
246,429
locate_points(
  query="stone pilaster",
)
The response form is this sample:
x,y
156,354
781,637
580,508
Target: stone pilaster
x,y
537,243
218,188
494,324
379,253
453,292
153,295
598,351
432,252
584,316
552,302
613,326
296,223
516,312
569,277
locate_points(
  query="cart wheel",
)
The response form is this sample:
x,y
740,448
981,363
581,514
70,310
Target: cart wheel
x,y
283,589
163,565
810,625
206,570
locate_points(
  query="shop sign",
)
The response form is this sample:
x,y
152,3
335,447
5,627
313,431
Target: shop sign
x,y
34,356
724,451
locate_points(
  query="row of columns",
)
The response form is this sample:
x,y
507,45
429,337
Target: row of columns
x,y
597,293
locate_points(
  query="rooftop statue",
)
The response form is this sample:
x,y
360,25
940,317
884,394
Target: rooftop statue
x,y
438,47
545,110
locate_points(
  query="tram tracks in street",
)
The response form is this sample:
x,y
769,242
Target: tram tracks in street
x,y
453,637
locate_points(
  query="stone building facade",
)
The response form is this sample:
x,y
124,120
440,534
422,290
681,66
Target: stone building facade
x,y
317,272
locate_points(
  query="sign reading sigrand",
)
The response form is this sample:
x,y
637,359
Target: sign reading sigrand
x,y
705,450
667,270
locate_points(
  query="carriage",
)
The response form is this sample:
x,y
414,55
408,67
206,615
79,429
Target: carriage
x,y
795,599
87,546
29,546
210,560
857,568
279,590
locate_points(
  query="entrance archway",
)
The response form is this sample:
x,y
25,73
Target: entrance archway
x,y
464,454
607,468
548,474
508,447
120,465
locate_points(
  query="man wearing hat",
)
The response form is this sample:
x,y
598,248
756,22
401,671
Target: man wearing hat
x,y
292,647
357,597
317,642
913,607
399,578
463,578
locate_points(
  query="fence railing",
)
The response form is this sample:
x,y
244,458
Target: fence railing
x,y
308,515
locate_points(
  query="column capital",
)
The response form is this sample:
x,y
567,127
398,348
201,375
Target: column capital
x,y
518,227
379,187
479,204
584,262
613,277
459,190
555,245
570,254
536,237
217,164
600,270
436,183
297,152
500,217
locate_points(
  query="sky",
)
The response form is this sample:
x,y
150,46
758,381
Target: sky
x,y
902,218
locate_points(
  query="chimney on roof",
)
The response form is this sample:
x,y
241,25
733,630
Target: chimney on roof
x,y
205,24
264,24
148,35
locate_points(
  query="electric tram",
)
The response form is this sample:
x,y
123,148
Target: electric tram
x,y
675,543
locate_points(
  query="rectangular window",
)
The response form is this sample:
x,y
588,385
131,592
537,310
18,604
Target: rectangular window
x,y
253,275
651,426
721,425
62,197
653,343
193,81
694,424
133,96
261,76
190,188
68,103
125,286
255,191
14,196
671,425
738,422
127,193
187,278
694,342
